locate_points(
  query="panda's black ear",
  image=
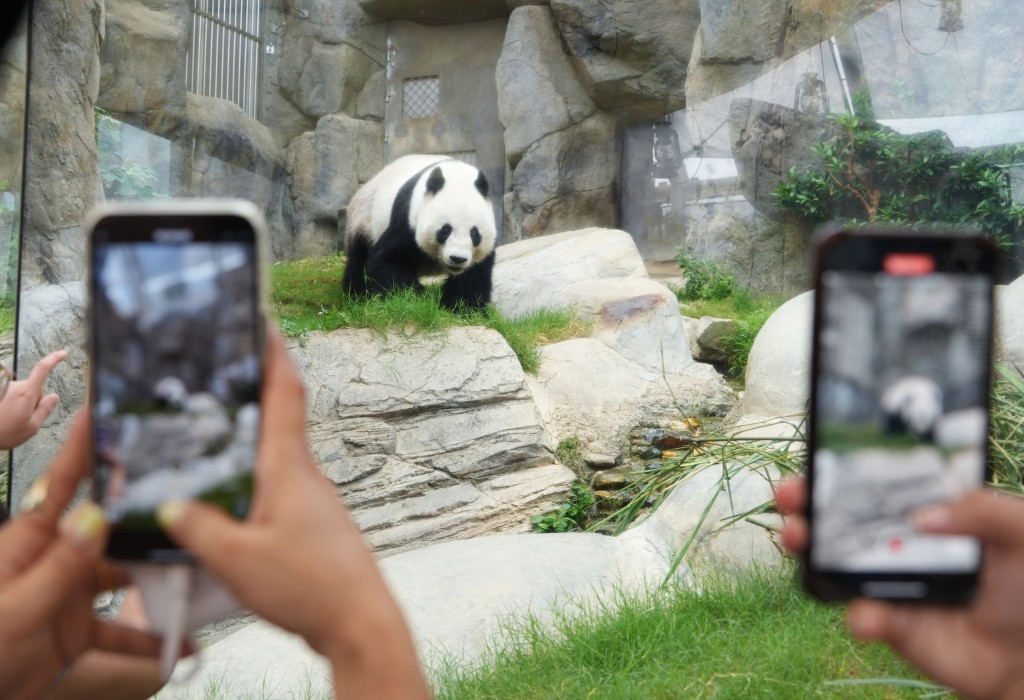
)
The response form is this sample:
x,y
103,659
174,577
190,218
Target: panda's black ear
x,y
435,182
481,184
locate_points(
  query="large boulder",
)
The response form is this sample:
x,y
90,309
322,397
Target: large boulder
x,y
330,52
1009,332
634,368
496,578
325,168
632,53
541,273
429,436
778,377
741,31
565,180
538,91
143,76
768,139
61,143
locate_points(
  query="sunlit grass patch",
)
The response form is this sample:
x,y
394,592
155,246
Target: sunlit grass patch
x,y
306,296
752,636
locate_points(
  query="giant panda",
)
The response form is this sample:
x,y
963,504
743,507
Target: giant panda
x,y
912,404
422,215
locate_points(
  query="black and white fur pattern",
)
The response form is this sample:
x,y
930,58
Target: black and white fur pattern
x,y
422,215
913,405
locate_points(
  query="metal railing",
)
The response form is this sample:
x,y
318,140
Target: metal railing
x,y
226,56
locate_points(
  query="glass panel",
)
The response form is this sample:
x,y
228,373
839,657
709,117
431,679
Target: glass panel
x,y
13,74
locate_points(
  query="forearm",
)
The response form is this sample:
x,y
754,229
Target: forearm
x,y
374,658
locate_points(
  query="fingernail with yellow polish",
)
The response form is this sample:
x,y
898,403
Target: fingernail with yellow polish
x,y
85,523
169,513
36,494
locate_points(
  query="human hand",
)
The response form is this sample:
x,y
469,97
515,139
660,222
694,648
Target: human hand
x,y
25,407
977,650
102,674
299,560
48,580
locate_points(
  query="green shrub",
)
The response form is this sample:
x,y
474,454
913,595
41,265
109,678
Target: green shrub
x,y
571,515
705,280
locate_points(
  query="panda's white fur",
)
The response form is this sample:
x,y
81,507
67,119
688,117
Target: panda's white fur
x,y
912,404
422,215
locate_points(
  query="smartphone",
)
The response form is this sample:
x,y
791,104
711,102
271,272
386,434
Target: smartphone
x,y
899,410
176,336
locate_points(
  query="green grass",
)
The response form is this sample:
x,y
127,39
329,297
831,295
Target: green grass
x,y
750,311
1006,436
757,636
306,296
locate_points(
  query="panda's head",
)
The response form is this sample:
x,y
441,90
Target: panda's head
x,y
454,221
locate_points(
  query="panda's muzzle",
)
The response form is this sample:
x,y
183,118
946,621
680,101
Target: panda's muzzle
x,y
456,264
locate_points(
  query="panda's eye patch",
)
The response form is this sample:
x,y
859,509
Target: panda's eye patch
x,y
474,235
443,233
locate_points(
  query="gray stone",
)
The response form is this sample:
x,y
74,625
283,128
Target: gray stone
x,y
706,338
741,31
325,168
325,79
143,76
61,155
539,93
632,53
1009,330
500,578
769,139
568,179
425,449
539,273
586,389
13,60
771,257
778,377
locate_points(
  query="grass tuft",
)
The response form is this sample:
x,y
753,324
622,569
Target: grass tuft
x,y
306,296
752,636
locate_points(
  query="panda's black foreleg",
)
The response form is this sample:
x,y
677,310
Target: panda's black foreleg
x,y
388,272
353,282
471,289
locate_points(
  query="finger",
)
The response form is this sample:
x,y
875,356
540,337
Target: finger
x,y
66,566
994,518
870,619
109,636
794,534
43,368
69,466
43,410
791,495
216,539
284,395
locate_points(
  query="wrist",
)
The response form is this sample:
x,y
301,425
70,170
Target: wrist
x,y
372,654
1012,686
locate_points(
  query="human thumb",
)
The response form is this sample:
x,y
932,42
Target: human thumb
x,y
206,531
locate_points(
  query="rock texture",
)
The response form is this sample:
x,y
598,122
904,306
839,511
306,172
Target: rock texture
x,y
636,365
564,155
632,54
495,578
1009,331
429,437
778,378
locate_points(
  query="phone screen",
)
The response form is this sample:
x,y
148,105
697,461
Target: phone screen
x,y
900,419
176,370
